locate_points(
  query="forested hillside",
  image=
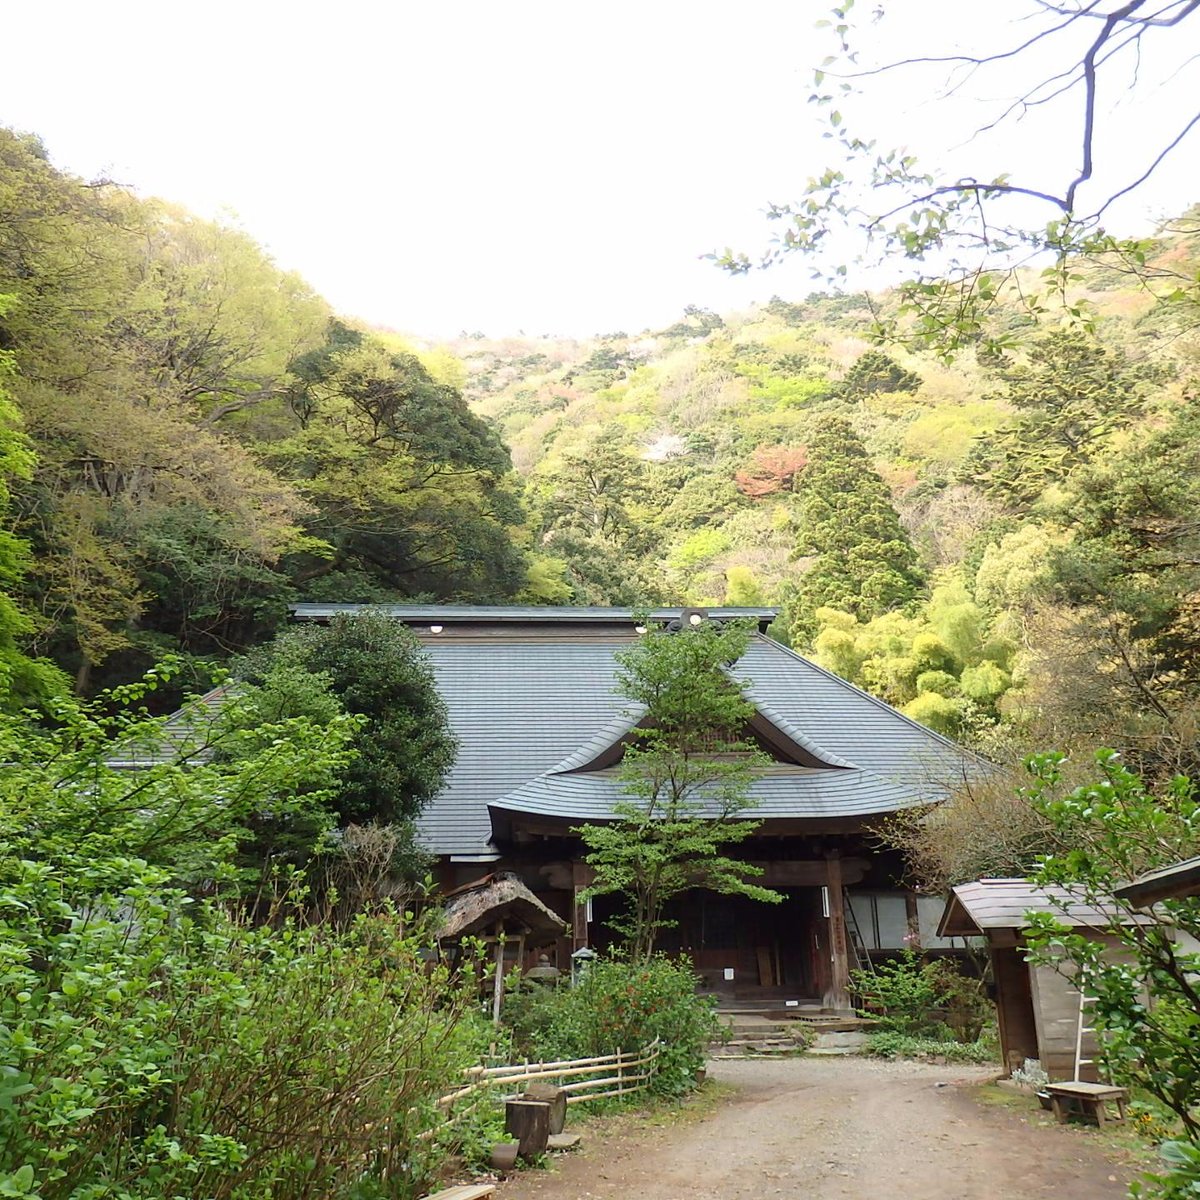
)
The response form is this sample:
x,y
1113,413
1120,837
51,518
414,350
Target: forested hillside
x,y
196,439
206,442
1006,538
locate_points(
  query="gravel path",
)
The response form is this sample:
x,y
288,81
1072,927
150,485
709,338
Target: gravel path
x,y
835,1129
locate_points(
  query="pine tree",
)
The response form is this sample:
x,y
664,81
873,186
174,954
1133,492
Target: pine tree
x,y
861,559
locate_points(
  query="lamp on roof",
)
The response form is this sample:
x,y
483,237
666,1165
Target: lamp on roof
x,y
436,628
639,629
696,619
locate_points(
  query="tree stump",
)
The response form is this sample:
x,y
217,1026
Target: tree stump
x,y
529,1122
554,1096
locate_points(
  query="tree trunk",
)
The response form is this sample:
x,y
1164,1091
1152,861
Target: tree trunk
x,y
529,1122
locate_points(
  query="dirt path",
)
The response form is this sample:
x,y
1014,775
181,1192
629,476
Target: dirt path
x,y
836,1129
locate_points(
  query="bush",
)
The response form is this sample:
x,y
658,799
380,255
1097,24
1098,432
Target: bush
x,y
923,999
888,1043
156,1048
618,1005
900,994
162,1043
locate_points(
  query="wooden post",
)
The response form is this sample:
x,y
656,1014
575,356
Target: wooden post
x,y
582,876
912,917
529,1122
554,1098
838,995
498,982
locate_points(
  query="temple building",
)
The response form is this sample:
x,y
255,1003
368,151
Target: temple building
x,y
541,729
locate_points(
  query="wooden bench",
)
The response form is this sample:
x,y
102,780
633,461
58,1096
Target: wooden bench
x,y
1089,1098
466,1191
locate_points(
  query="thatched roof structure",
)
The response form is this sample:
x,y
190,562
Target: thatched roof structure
x,y
481,906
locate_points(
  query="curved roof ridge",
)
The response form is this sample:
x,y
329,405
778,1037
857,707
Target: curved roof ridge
x,y
607,736
612,731
949,743
797,735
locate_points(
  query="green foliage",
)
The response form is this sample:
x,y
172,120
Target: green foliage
x,y
1070,397
687,769
862,560
24,682
621,1005
940,713
154,1048
209,445
1147,1009
889,1043
900,994
939,667
912,998
874,372
376,669
157,1040
410,487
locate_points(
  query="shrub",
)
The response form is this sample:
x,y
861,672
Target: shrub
x,y
888,1043
900,994
919,999
156,1043
619,1005
156,1048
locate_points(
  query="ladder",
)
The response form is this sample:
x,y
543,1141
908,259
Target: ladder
x,y
1082,1029
862,959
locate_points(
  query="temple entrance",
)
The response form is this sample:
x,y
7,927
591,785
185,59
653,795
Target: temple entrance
x,y
745,950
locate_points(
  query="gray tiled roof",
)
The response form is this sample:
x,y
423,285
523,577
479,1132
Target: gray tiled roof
x,y
510,614
527,710
1004,904
812,793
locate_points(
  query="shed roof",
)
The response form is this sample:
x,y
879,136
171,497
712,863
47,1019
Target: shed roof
x,y
974,908
495,898
1176,881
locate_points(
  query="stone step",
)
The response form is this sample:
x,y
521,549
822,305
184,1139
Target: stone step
x,y
763,1028
757,1046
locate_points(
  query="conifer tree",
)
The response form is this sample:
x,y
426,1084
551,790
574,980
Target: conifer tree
x,y
861,560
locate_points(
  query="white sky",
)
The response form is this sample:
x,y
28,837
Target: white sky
x,y
544,165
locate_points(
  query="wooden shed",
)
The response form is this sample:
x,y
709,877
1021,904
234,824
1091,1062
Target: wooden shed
x,y
1037,1006
502,912
1176,882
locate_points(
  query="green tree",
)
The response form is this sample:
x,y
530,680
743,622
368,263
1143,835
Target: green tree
x,y
24,682
1070,395
375,667
874,371
861,559
593,509
411,490
129,320
1106,833
687,771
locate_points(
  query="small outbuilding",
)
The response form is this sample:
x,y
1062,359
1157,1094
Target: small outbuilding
x,y
1038,1008
1176,882
502,912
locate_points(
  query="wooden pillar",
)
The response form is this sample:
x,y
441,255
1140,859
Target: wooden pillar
x,y
582,876
837,996
498,982
912,917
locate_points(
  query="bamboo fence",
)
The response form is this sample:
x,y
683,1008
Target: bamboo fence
x,y
619,1075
